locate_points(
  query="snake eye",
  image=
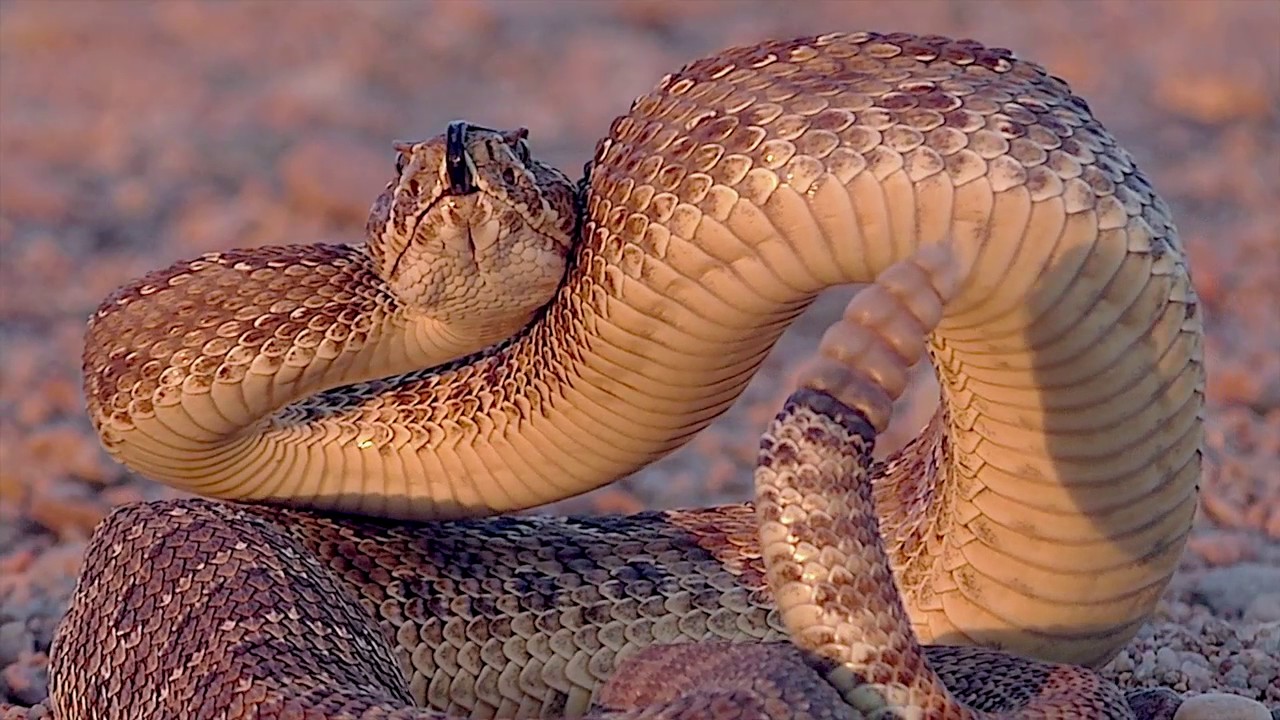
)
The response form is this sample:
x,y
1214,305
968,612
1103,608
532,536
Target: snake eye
x,y
455,159
518,140
403,151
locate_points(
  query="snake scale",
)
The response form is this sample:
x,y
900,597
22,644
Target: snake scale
x,y
572,334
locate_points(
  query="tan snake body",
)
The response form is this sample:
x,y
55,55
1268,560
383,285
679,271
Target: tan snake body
x,y
1069,356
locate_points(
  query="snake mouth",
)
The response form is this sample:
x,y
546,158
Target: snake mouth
x,y
450,192
471,243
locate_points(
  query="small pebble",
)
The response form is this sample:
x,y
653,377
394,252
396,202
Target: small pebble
x,y
1154,703
1264,609
1230,590
27,681
1221,706
15,639
1167,660
1198,676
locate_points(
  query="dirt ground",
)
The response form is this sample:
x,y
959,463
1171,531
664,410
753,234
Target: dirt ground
x,y
133,134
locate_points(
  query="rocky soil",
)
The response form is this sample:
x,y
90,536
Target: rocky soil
x,y
135,134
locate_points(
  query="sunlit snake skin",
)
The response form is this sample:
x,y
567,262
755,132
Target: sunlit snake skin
x,y
742,185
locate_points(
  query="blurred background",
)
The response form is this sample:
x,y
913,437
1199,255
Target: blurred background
x,y
133,134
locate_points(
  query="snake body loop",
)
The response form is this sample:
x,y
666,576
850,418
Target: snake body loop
x,y
830,574
820,538
1042,510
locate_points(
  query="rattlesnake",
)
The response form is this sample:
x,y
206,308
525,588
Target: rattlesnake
x,y
1069,357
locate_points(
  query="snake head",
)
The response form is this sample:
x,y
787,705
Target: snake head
x,y
473,232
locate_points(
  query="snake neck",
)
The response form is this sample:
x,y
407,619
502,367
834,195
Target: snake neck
x,y
191,359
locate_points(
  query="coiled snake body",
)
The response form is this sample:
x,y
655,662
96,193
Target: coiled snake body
x,y
1041,511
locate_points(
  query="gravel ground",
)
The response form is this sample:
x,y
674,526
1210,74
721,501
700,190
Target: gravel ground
x,y
134,134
